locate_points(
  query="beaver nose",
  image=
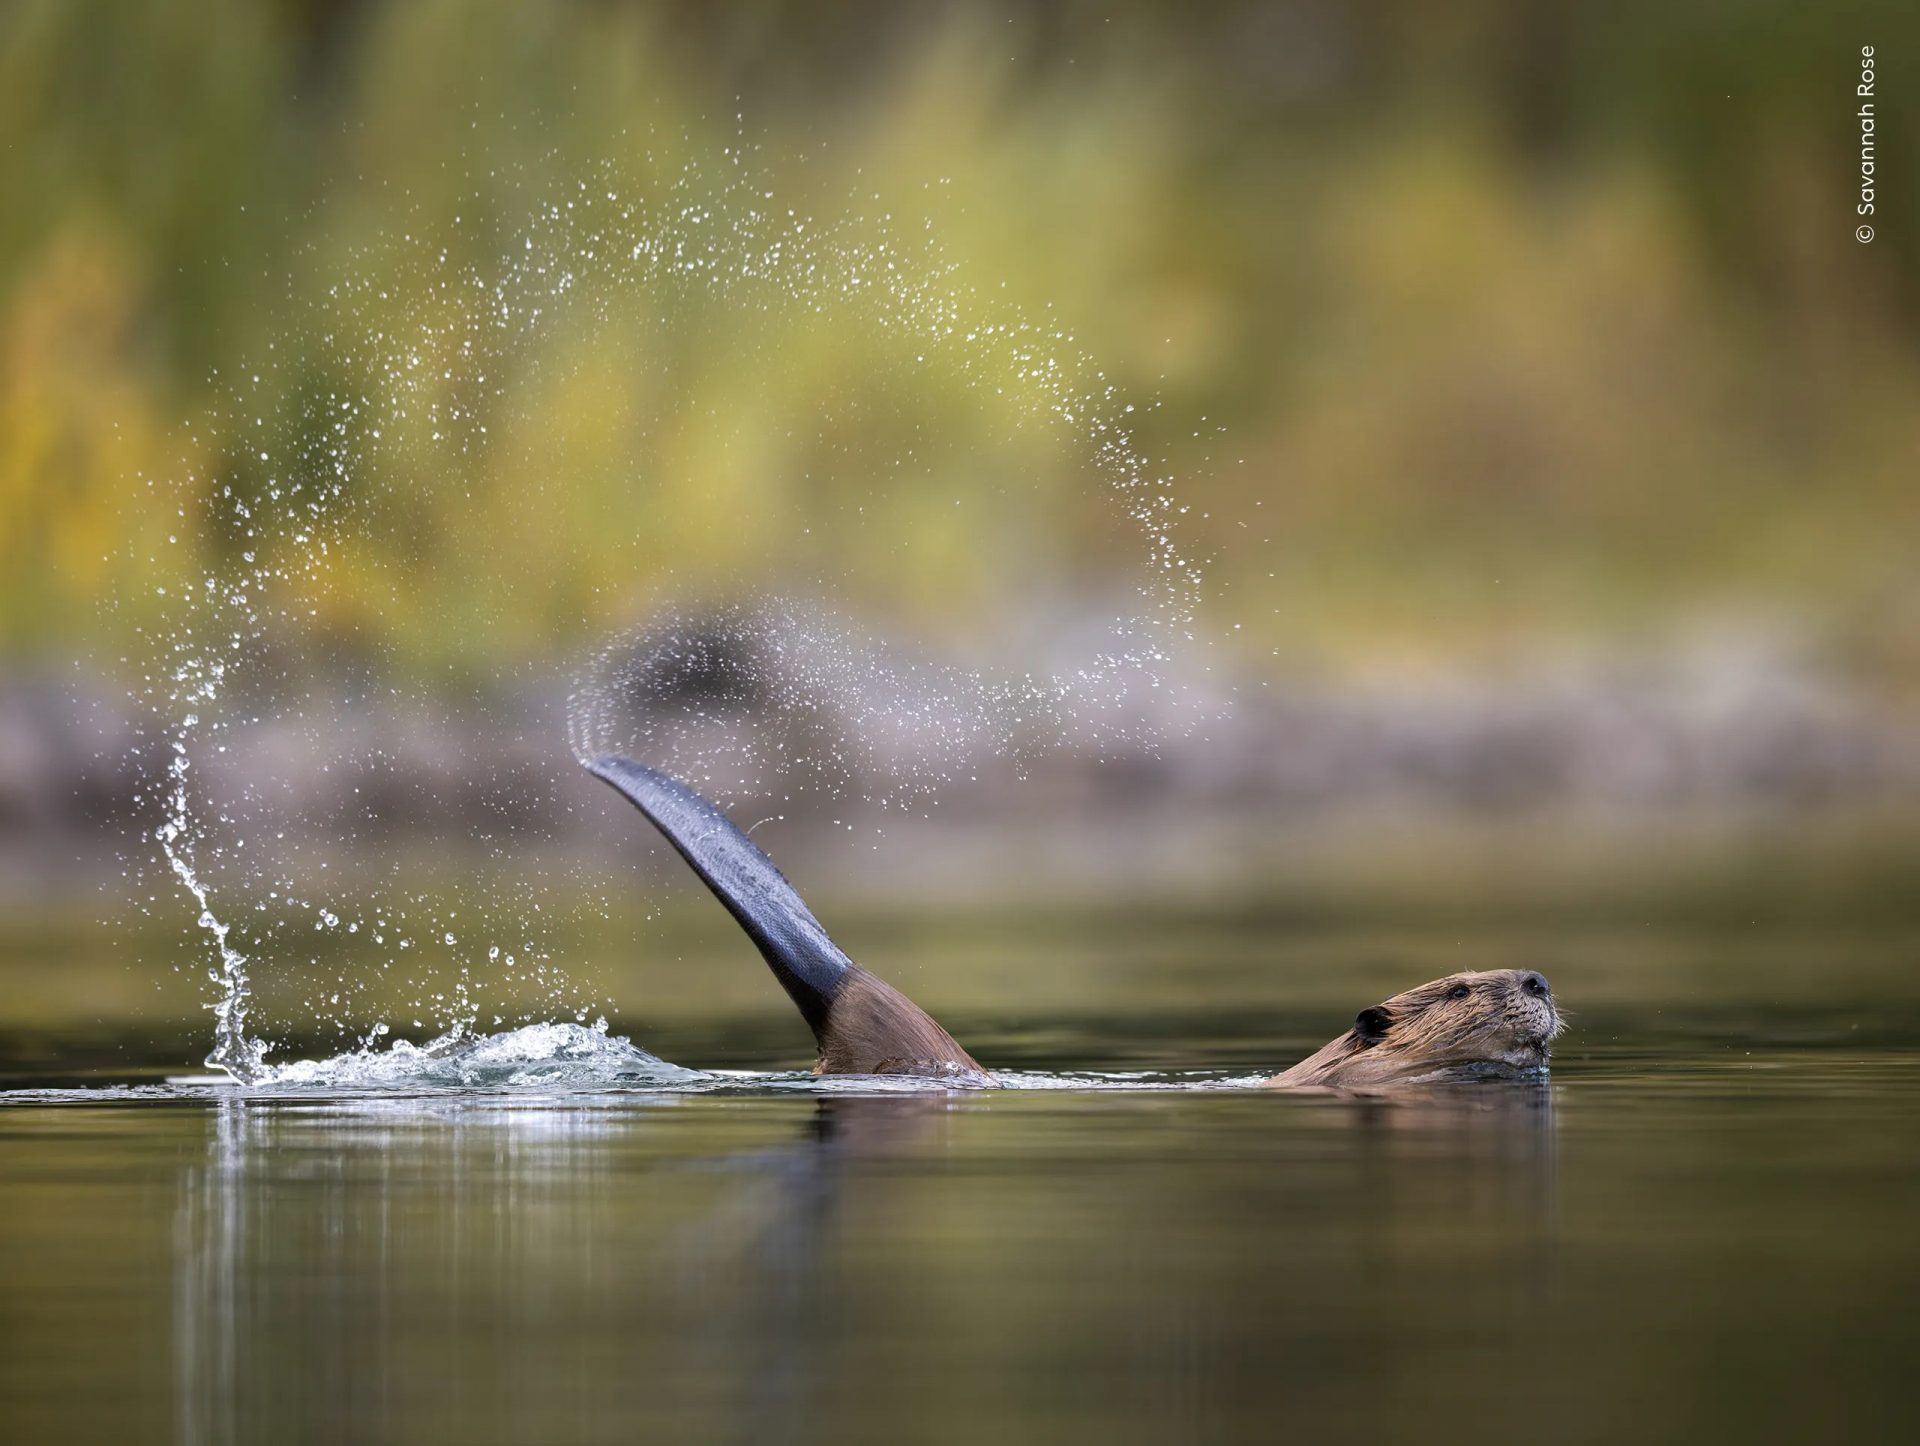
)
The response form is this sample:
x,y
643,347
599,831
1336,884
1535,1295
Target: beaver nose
x,y
1536,985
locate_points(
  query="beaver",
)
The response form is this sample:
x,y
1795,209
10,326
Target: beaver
x,y
1481,1024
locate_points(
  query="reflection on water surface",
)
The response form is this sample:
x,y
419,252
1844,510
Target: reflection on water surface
x,y
788,1266
1676,1239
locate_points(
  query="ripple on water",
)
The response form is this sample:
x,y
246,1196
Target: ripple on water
x,y
575,1061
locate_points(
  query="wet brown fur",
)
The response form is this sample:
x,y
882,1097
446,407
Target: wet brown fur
x,y
872,1028
1427,1034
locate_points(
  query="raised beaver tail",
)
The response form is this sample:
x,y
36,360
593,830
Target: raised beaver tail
x,y
809,965
862,1024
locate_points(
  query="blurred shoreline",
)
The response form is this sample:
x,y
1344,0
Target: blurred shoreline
x,y
1628,754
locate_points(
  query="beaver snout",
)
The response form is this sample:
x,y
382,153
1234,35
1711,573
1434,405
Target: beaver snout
x,y
1541,1019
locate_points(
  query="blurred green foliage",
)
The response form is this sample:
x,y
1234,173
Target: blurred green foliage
x,y
1475,326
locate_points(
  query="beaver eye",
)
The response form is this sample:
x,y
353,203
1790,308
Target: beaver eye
x,y
1459,991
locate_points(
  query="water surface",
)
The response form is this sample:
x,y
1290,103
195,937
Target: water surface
x,y
1701,1229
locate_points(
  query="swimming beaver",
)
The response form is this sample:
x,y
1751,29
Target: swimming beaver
x,y
1483,1024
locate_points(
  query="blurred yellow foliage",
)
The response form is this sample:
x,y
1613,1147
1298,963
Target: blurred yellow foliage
x,y
79,437
1455,349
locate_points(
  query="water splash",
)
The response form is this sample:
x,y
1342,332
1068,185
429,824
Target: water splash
x,y
305,481
727,697
560,1057
233,1050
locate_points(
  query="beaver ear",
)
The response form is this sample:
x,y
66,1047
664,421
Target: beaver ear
x,y
1372,1024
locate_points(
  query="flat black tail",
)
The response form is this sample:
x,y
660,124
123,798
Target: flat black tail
x,y
809,966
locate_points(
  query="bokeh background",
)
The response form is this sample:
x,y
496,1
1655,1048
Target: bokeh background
x,y
1550,440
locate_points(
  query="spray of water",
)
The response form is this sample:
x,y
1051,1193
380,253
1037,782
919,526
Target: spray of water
x,y
858,706
233,1050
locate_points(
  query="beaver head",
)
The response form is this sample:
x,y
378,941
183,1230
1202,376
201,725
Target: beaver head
x,y
1483,1023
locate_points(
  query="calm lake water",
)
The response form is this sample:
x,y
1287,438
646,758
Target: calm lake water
x,y
1702,1229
